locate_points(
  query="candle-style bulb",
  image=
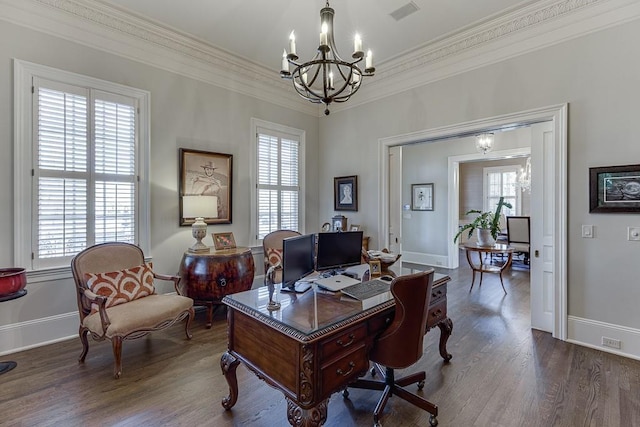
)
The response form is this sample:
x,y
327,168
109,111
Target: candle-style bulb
x,y
369,60
323,34
292,43
357,43
285,63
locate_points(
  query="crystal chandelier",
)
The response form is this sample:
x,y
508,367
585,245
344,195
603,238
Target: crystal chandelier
x,y
484,142
524,177
327,78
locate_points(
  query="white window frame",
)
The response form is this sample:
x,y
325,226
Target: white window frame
x,y
277,129
24,74
485,186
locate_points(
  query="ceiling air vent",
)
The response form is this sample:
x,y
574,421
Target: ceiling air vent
x,y
404,11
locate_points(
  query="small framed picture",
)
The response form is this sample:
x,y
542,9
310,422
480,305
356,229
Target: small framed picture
x,y
354,227
339,223
223,241
422,197
375,269
326,227
345,193
614,189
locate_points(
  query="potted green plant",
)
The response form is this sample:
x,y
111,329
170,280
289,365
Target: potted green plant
x,y
487,224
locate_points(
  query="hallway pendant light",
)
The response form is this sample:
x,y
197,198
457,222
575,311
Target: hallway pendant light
x,y
484,142
327,78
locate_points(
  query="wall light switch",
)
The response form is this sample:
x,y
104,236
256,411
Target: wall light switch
x,y
587,231
633,233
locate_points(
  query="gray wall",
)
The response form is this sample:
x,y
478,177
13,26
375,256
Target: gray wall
x,y
184,113
598,76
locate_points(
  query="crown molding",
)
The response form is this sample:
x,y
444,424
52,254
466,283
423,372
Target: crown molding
x,y
100,26
103,27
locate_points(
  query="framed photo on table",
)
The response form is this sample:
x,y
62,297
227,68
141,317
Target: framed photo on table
x,y
205,187
422,197
375,269
345,193
222,241
614,189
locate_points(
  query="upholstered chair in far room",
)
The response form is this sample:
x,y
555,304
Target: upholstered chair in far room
x,y
272,248
117,300
400,345
518,235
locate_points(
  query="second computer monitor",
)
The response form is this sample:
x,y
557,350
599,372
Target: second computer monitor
x,y
297,258
338,250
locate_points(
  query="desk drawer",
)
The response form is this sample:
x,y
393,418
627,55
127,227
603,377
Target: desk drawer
x,y
343,370
438,294
343,342
437,312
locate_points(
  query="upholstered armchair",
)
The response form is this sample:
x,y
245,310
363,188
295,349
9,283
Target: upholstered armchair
x,y
117,300
272,248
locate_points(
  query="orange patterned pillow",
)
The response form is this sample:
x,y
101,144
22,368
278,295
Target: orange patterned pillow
x,y
274,256
121,286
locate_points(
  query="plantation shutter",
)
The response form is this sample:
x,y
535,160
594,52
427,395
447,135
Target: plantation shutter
x,y
85,173
278,188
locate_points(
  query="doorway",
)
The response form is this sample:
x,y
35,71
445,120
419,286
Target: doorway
x,y
550,149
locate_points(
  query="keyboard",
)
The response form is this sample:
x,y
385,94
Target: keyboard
x,y
364,290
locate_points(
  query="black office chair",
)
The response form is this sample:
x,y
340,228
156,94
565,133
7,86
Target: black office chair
x,y
400,345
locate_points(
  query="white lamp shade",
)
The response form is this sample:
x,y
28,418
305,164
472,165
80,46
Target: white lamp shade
x,y
200,206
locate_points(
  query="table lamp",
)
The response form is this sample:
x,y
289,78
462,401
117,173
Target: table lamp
x,y
199,207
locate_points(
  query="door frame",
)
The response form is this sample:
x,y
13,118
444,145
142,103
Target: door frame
x,y
558,115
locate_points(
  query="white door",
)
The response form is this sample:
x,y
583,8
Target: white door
x,y
395,200
543,213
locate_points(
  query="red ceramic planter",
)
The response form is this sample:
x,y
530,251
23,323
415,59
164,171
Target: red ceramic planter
x,y
12,280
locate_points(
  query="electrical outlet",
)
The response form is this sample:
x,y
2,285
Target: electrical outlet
x,y
610,342
587,231
633,233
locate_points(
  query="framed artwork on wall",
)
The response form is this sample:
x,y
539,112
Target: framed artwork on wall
x,y
614,189
345,193
205,187
422,197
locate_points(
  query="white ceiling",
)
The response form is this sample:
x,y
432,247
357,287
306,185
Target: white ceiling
x,y
258,30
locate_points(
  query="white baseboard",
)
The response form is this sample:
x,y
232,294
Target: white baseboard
x,y
35,333
425,259
589,333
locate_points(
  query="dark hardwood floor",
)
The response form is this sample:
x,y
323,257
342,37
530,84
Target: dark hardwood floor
x,y
502,374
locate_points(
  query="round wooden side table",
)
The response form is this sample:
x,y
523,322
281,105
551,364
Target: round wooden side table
x,y
207,277
481,267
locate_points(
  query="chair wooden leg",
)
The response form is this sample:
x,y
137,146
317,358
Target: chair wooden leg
x,y
85,343
416,400
187,326
116,343
386,394
411,379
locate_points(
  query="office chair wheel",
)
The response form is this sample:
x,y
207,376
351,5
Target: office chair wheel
x,y
420,385
345,393
377,424
433,421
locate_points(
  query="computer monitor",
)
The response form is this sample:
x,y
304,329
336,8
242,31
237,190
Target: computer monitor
x,y
298,255
338,250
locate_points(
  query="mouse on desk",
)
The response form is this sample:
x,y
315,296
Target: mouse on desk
x,y
386,278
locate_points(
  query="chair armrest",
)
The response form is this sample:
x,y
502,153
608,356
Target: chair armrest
x,y
174,279
102,311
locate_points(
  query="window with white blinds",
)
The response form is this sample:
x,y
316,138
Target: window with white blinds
x,y
499,182
278,203
86,155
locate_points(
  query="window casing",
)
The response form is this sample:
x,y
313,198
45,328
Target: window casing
x,y
81,165
277,180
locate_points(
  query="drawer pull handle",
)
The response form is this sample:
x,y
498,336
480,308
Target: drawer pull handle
x,y
344,374
351,338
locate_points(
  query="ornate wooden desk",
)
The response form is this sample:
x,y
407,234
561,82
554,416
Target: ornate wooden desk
x,y
208,277
481,267
314,345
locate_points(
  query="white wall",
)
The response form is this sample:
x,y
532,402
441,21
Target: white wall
x,y
598,76
184,113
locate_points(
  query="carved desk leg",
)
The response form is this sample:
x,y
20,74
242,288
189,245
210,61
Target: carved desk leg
x,y
313,417
229,363
446,326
